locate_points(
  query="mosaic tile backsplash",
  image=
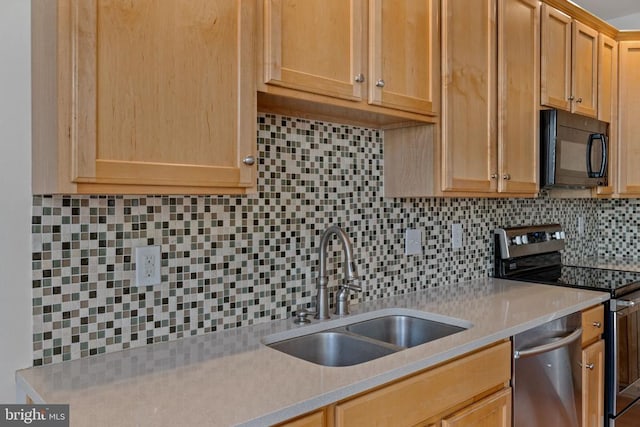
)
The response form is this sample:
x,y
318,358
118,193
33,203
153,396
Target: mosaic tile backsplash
x,y
231,261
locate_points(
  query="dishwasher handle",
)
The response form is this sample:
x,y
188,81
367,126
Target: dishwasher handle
x,y
548,347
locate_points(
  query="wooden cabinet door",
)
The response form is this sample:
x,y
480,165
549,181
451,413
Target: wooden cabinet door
x,y
402,45
584,59
162,93
469,156
493,411
593,385
315,46
315,419
555,58
608,103
628,113
518,116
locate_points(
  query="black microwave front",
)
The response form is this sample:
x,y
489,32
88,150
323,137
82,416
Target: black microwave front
x,y
574,150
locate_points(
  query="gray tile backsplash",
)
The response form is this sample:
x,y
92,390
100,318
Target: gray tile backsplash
x,y
231,261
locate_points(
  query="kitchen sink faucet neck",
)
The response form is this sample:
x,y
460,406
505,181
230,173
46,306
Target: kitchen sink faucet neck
x,y
350,273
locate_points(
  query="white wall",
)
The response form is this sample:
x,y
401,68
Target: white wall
x,y
15,193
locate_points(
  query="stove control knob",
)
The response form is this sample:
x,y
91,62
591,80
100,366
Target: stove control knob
x,y
517,240
525,239
556,235
562,235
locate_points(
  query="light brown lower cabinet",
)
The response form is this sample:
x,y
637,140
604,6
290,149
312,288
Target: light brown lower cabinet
x,y
470,390
592,367
494,411
314,419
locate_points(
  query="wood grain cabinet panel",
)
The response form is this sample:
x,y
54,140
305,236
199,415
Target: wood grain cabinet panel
x,y
375,60
469,150
593,385
415,400
315,46
518,92
315,419
143,98
493,411
629,126
487,144
402,36
608,105
592,324
569,63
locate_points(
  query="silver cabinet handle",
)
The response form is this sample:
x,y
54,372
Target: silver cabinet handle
x,y
359,78
597,324
590,366
571,98
494,176
380,83
579,100
249,160
506,176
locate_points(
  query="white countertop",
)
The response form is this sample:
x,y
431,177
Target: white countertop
x,y
230,378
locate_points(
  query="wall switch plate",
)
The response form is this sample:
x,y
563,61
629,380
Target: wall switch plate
x,y
580,225
148,262
412,242
456,236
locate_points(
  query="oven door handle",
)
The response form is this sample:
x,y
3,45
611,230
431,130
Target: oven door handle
x,y
518,354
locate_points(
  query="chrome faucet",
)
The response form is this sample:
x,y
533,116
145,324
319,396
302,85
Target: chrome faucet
x,y
350,275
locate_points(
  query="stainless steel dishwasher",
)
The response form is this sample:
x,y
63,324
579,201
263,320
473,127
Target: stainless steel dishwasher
x,y
547,379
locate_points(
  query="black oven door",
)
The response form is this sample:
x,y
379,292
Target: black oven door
x,y
626,346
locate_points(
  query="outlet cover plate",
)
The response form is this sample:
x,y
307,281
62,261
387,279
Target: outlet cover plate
x,y
456,236
412,242
148,261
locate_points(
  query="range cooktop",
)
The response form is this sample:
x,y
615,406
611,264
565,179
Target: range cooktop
x,y
616,282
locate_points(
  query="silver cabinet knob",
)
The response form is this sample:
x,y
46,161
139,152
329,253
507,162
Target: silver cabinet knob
x,y
380,83
597,325
494,176
590,366
579,100
249,160
571,98
359,78
506,177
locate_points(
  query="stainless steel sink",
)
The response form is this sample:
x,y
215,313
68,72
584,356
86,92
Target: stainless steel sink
x,y
332,349
403,331
365,339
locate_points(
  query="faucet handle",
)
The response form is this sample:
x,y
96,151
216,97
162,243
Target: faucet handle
x,y
301,317
351,285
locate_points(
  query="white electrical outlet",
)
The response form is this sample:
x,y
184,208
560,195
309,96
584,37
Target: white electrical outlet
x,y
456,236
148,265
412,242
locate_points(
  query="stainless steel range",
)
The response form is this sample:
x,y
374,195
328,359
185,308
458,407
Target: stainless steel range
x,y
532,254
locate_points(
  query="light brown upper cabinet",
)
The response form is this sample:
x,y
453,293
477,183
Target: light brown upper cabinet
x,y
316,46
353,59
608,104
469,94
490,115
629,126
144,97
569,63
489,140
401,40
518,96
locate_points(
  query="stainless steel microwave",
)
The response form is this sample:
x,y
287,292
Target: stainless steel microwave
x,y
574,150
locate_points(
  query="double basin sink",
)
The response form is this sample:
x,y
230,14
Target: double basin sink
x,y
367,337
